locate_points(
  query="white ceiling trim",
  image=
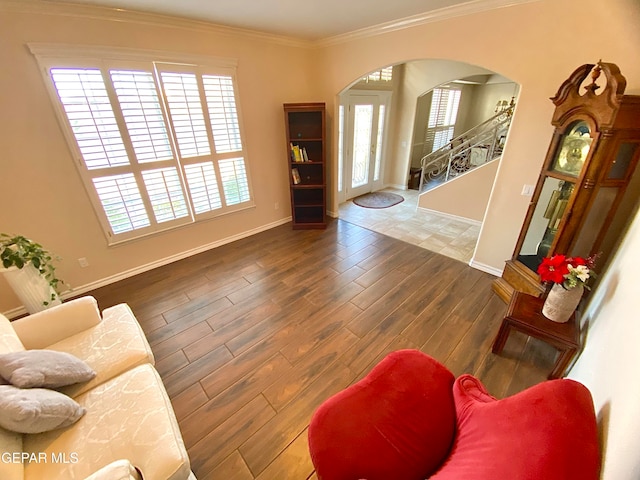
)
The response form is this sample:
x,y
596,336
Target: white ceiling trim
x,y
38,7
35,7
469,8
55,50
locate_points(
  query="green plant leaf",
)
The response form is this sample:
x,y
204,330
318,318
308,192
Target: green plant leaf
x,y
17,251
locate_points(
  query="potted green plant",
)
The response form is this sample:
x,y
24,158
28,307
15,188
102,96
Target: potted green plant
x,y
29,269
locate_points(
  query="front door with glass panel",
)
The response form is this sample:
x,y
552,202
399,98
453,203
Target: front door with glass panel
x,y
364,120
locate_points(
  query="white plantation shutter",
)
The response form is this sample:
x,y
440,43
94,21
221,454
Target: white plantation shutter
x,y
122,202
442,118
160,143
442,136
165,191
223,115
221,103
142,113
203,187
234,181
86,103
183,97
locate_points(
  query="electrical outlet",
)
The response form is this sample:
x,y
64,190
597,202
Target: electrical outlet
x,y
83,262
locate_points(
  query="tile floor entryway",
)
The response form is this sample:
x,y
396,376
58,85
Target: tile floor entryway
x,y
452,237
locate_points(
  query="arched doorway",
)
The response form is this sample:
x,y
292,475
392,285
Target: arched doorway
x,y
401,144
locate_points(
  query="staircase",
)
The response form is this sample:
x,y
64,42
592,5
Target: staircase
x,y
475,147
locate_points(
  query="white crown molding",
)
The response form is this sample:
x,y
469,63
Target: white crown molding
x,y
445,13
40,7
55,50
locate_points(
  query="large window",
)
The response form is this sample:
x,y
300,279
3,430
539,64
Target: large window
x,y
442,117
158,143
382,75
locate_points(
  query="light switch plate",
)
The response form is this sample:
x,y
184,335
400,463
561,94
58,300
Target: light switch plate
x,y
527,190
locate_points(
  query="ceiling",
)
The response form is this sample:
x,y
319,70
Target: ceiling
x,y
303,19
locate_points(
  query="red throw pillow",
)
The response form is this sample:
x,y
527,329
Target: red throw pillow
x,y
546,432
396,423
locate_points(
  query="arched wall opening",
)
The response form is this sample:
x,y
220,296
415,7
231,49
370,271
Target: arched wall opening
x,y
407,101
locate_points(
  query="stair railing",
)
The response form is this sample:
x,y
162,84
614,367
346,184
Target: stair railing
x,y
473,148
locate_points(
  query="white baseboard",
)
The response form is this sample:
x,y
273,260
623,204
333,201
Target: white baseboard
x,y
396,186
80,290
15,312
470,221
497,272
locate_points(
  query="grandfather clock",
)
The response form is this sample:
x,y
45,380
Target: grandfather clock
x,y
587,189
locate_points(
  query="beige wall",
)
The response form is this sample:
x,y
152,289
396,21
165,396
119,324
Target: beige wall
x,y
610,359
536,44
42,194
52,207
465,196
485,99
477,105
539,55
418,78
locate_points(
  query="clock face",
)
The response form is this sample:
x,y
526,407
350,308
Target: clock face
x,y
573,150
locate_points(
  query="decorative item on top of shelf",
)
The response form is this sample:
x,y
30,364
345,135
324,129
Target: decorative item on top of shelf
x,y
569,276
29,269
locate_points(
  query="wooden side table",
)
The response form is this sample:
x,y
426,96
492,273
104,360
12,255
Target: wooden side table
x,y
525,315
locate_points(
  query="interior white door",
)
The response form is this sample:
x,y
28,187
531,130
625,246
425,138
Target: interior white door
x,y
363,138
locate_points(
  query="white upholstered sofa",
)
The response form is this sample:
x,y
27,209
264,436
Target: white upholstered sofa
x,y
129,426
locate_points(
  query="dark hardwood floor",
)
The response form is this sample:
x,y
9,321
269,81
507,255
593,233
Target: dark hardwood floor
x,y
252,336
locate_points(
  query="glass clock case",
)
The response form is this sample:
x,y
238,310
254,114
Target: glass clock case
x,y
583,200
558,185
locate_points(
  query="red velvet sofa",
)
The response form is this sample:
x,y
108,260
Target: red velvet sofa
x,y
410,419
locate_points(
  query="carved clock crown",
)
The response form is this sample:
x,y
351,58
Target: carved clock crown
x,y
601,105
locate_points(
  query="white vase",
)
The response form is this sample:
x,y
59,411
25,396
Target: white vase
x,y
561,303
31,288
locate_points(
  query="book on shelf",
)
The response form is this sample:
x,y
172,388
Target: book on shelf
x,y
296,154
295,176
305,157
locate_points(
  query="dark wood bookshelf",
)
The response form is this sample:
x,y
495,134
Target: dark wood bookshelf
x,y
305,132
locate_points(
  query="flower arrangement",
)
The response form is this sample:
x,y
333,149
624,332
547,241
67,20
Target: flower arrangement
x,y
567,271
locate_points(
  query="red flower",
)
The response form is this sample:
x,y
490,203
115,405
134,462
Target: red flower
x,y
575,261
553,269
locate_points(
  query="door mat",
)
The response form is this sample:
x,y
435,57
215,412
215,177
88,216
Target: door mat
x,y
378,200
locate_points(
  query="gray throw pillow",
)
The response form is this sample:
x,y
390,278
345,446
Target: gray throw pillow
x,y
36,410
43,368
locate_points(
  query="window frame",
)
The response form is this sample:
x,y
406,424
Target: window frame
x,y
49,56
440,128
